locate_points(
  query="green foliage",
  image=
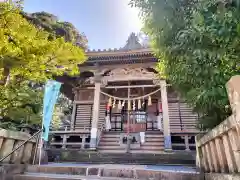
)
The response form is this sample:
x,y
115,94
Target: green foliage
x,y
56,28
20,104
27,55
63,108
198,46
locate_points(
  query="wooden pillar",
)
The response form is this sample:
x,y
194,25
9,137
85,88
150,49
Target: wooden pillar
x,y
166,124
73,118
83,142
64,137
186,141
95,115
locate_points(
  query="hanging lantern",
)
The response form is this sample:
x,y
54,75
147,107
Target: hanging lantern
x,y
114,103
110,101
129,105
119,104
149,101
134,105
139,104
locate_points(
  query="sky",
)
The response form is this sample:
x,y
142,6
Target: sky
x,y
106,23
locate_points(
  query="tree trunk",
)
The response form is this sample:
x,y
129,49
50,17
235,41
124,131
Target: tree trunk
x,y
6,76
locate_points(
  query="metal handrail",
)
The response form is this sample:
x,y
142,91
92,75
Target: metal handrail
x,y
14,150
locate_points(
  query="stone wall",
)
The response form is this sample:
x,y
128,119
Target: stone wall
x,y
9,140
218,151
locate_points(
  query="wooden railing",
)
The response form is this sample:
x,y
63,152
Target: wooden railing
x,y
219,149
10,141
183,141
76,139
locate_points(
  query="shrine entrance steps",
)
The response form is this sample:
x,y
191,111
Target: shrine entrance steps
x,y
75,171
111,142
165,158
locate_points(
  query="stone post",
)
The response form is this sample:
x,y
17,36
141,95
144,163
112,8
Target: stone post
x,y
166,124
95,115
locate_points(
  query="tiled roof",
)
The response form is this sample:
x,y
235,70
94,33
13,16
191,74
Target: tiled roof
x,y
132,44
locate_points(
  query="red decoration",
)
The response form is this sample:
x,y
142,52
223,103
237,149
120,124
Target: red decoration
x,y
160,107
108,107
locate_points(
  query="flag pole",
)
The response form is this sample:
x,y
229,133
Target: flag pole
x,y
40,146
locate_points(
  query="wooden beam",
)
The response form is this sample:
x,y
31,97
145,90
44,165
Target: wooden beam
x,y
133,86
125,87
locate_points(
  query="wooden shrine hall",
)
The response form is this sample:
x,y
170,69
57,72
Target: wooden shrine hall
x,y
119,95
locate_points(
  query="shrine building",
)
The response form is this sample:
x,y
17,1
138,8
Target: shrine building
x,y
118,98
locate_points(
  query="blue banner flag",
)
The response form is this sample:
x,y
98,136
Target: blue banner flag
x,y
51,92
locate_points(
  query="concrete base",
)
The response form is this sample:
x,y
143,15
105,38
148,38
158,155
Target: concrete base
x,y
167,143
44,157
221,176
93,143
8,171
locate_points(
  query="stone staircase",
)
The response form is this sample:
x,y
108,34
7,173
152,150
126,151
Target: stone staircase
x,y
93,157
110,143
84,116
106,172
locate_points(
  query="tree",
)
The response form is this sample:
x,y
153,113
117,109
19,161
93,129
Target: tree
x,y
28,56
27,53
197,43
56,28
20,104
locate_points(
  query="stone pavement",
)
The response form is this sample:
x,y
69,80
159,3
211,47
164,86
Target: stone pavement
x,y
168,168
71,171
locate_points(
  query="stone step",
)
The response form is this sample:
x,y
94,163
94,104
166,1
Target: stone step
x,y
154,136
110,147
136,151
119,156
153,143
105,140
72,171
111,136
147,140
118,139
159,148
154,140
42,176
109,143
145,145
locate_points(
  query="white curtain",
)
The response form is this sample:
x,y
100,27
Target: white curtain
x,y
159,121
142,137
108,123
